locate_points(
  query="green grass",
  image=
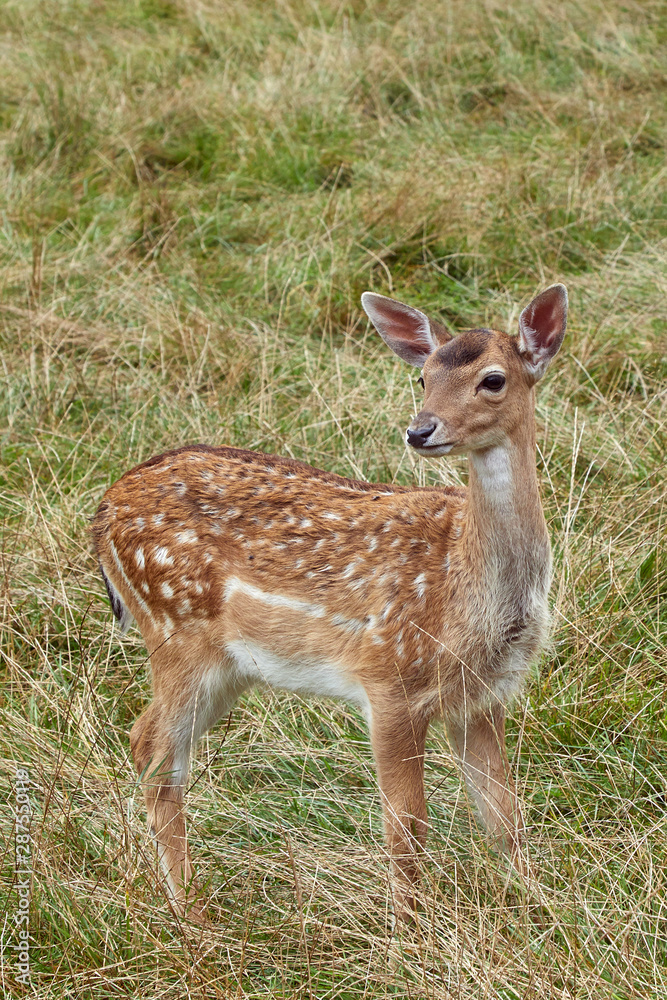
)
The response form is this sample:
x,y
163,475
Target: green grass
x,y
194,195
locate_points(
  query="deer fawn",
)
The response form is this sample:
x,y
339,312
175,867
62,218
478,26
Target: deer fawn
x,y
242,568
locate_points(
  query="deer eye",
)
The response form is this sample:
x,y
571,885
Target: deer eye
x,y
420,381
493,382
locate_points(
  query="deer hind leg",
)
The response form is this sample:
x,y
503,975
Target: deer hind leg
x,y
480,743
161,741
398,742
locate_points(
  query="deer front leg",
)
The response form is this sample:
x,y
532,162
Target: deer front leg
x,y
480,743
162,761
398,745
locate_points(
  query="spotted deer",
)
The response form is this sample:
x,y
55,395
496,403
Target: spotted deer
x,y
242,568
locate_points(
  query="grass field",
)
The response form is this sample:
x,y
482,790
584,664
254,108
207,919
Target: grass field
x,y
194,195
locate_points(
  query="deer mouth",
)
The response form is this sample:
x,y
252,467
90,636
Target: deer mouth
x,y
434,449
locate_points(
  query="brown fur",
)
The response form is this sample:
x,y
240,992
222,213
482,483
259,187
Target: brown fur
x,y
415,603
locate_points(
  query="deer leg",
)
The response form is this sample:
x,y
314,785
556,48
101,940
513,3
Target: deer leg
x,y
161,756
398,742
161,741
480,743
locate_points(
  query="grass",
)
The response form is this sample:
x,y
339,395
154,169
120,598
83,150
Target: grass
x,y
193,197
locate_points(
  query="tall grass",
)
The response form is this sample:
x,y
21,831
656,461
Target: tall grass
x,y
194,194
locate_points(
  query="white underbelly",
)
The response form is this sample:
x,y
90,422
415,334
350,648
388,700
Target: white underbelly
x,y
257,665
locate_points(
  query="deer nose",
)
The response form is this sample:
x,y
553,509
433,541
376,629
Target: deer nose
x,y
418,436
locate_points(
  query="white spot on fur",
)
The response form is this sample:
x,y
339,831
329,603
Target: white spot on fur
x,y
162,557
167,591
187,537
157,520
420,584
140,559
349,624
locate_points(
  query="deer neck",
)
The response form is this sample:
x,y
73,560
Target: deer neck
x,y
507,532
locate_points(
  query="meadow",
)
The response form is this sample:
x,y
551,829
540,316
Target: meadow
x,y
193,196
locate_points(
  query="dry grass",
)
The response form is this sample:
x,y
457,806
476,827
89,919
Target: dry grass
x,y
193,196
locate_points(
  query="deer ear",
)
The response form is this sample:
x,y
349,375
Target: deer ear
x,y
542,328
407,331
